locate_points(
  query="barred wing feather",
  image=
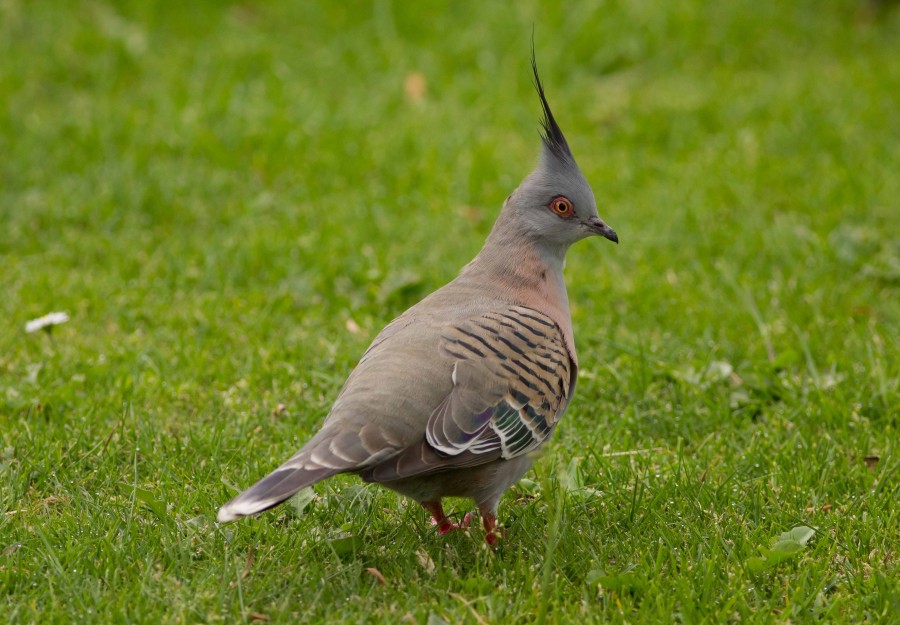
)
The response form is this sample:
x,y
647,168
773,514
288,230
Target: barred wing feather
x,y
512,379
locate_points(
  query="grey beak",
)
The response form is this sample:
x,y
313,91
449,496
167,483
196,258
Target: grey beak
x,y
597,226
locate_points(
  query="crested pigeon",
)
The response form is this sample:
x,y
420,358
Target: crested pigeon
x,y
455,395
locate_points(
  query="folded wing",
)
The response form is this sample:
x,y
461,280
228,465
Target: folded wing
x,y
512,380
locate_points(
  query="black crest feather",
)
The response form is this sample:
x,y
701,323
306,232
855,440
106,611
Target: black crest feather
x,y
551,134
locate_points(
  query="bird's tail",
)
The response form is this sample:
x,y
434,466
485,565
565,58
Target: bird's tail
x,y
270,491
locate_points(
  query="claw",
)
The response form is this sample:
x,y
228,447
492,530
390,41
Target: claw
x,y
438,518
444,525
491,531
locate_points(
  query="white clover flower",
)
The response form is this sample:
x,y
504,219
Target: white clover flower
x,y
47,321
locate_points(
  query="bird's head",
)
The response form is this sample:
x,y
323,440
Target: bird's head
x,y
555,204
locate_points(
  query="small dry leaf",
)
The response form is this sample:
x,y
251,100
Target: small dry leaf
x,y
425,560
352,327
279,410
259,616
248,565
871,461
11,549
409,618
472,214
371,570
414,87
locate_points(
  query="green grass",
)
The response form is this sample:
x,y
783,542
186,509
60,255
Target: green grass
x,y
230,200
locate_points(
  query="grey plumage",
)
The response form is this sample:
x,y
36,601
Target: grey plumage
x,y
453,396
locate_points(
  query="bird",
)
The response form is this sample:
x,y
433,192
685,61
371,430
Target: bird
x,y
454,397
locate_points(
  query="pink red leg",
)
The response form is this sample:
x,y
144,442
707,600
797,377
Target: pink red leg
x,y
438,518
492,533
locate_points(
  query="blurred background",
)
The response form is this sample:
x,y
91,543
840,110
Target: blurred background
x,y
197,182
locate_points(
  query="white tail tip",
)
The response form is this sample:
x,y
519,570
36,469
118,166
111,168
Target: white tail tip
x,y
225,515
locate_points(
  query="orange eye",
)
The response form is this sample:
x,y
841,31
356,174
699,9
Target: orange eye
x,y
562,206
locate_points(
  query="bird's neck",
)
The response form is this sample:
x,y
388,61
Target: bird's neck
x,y
518,269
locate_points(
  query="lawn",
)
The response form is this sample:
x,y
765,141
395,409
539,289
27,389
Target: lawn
x,y
230,200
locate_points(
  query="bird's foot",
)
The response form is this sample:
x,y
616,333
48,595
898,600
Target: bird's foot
x,y
445,526
492,533
439,519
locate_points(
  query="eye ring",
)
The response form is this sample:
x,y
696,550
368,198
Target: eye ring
x,y
562,206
